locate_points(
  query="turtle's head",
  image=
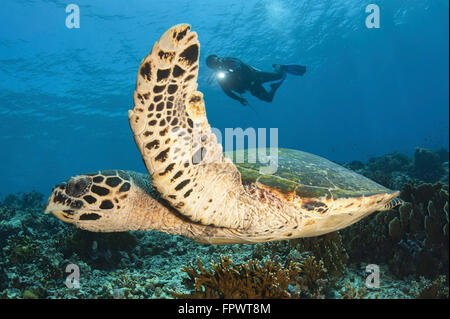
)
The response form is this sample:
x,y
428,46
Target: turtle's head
x,y
97,202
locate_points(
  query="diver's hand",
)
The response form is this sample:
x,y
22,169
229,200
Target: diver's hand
x,y
243,101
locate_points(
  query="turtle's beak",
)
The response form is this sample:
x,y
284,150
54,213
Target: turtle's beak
x,y
62,213
50,200
56,209
56,205
46,211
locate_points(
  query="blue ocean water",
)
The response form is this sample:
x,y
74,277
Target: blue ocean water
x,y
65,92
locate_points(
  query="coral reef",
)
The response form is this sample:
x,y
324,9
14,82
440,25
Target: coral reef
x,y
395,170
36,249
23,200
412,239
428,165
352,292
409,243
436,289
390,170
304,278
423,230
328,248
103,250
3,278
249,280
312,282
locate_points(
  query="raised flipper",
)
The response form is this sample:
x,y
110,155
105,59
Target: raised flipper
x,y
174,137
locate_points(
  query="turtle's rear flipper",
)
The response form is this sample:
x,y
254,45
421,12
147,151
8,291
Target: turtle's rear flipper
x,y
394,203
294,69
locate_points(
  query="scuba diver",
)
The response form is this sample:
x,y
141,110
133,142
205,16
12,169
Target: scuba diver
x,y
234,75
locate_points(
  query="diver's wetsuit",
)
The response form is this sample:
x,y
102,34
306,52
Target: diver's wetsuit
x,y
240,77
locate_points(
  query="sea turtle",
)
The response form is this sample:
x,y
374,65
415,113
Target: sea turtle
x,y
193,189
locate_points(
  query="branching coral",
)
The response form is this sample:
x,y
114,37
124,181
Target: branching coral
x,y
328,248
352,292
312,270
304,279
311,281
322,261
248,280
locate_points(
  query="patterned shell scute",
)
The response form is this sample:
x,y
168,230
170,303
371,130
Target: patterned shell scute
x,y
307,174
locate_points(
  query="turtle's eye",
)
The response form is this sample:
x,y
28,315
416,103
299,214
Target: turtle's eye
x,y
78,187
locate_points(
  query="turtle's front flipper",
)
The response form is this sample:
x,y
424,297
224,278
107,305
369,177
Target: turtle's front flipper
x,y
174,137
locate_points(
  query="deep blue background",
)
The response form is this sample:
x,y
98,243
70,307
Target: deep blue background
x,y
65,93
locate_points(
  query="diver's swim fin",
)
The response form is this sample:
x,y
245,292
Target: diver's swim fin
x,y
294,69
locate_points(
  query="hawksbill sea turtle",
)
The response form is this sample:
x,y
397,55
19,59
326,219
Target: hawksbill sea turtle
x,y
194,190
